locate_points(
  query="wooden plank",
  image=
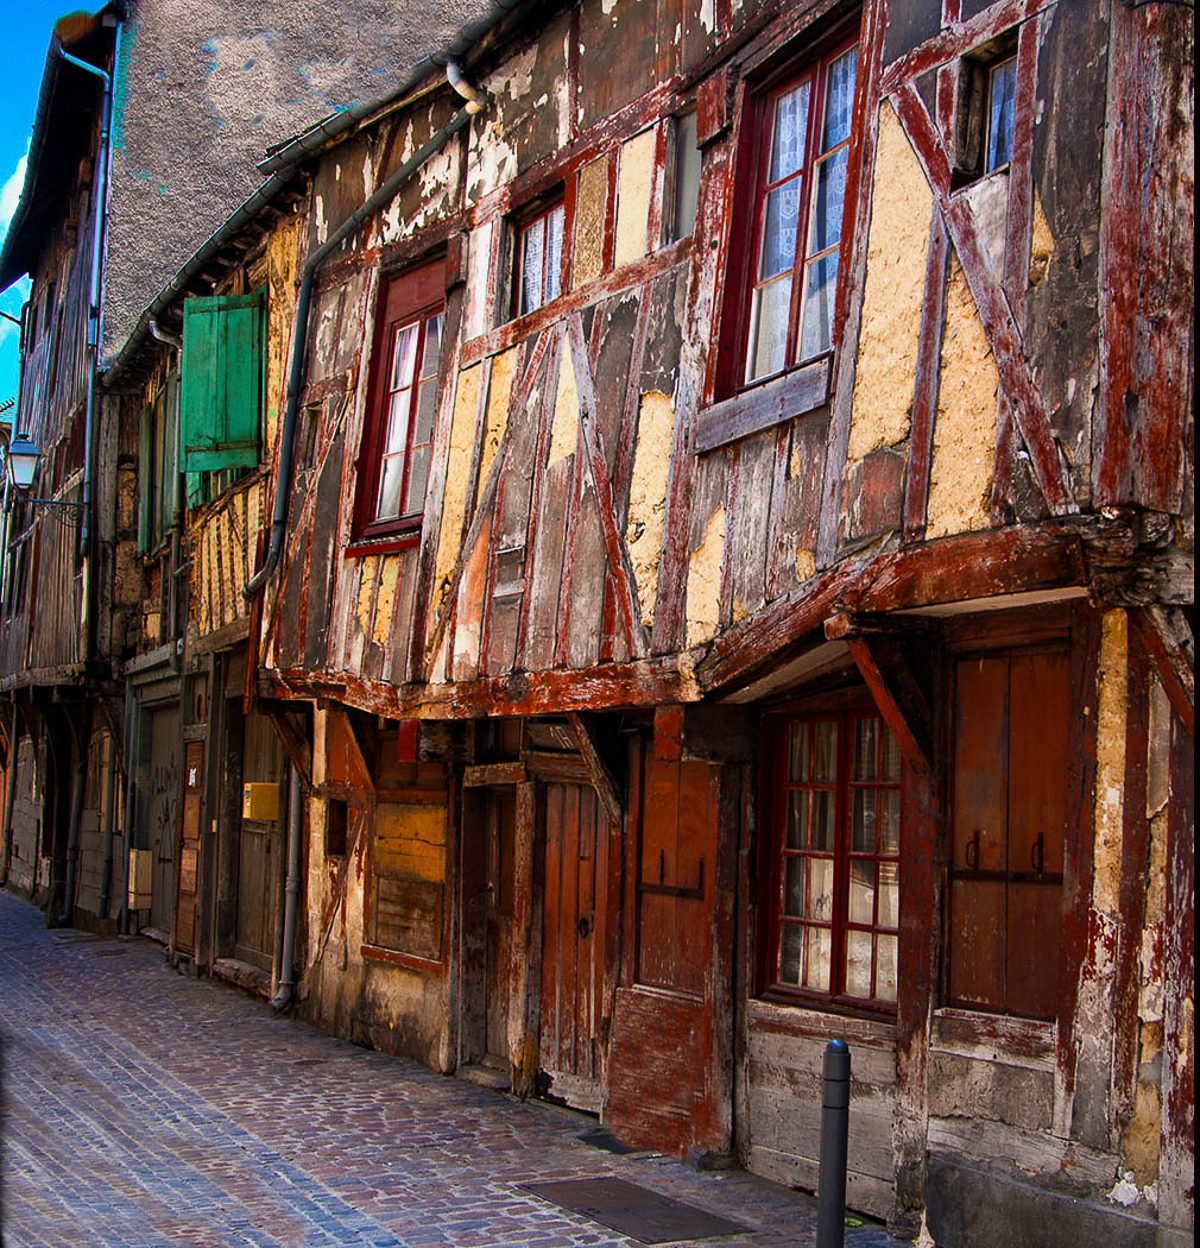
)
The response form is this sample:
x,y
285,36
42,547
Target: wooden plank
x,y
925,390
597,461
762,407
747,526
602,779
1004,338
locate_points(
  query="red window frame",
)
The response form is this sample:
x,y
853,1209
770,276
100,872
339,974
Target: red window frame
x,y
521,229
413,298
746,244
777,853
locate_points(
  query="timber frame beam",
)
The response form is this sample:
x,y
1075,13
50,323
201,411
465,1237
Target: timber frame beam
x,y
1168,640
901,701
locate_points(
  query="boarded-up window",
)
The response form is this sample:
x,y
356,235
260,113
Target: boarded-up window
x,y
410,873
1009,809
222,382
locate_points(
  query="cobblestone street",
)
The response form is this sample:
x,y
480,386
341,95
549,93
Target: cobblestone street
x,y
141,1107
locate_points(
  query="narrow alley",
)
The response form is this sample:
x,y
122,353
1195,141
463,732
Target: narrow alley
x,y
142,1107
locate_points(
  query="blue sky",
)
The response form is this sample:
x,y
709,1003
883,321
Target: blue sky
x,y
27,28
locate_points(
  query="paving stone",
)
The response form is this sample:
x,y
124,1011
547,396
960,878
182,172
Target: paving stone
x,y
144,1109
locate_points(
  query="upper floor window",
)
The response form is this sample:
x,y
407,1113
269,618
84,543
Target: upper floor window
x,y
832,850
1002,89
539,256
398,440
800,192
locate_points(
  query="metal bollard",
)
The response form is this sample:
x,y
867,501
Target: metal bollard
x,y
835,1126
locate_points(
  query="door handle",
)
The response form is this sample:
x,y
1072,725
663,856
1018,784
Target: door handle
x,y
972,852
1037,855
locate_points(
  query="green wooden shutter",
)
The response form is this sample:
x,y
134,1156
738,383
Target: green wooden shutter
x,y
145,477
222,382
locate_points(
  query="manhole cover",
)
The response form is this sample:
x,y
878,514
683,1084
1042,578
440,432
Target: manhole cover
x,y
74,938
110,953
631,1210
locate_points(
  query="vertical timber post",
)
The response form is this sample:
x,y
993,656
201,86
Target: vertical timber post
x,y
835,1123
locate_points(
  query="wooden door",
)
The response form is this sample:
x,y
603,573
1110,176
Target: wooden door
x,y
166,788
189,848
573,942
1012,722
498,920
260,851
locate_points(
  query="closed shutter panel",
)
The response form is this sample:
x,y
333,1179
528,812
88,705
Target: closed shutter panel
x,y
222,383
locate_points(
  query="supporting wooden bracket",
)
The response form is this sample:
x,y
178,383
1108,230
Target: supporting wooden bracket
x,y
602,777
900,699
293,739
1167,637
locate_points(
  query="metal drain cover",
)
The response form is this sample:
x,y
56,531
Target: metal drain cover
x,y
631,1210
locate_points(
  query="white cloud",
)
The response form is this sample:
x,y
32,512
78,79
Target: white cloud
x,y
10,193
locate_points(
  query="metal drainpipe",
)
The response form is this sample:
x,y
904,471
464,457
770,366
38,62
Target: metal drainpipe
x,y
95,322
132,745
110,815
387,192
10,795
291,904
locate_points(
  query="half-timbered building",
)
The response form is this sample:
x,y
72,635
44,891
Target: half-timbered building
x,y
719,579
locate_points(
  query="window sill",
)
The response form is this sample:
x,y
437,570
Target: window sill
x,y
384,543
763,406
411,961
806,1020
972,1033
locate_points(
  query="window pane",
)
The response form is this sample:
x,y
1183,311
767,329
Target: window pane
x,y
768,328
389,488
799,752
426,404
397,427
433,335
779,229
889,894
554,237
790,131
858,964
404,357
828,201
817,946
1001,97
820,889
862,822
885,970
839,102
687,176
821,829
532,240
793,887
797,819
862,892
891,756
790,946
417,474
866,748
889,821
825,760
818,306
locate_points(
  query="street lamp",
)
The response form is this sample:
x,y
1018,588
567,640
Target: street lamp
x,y
23,456
23,459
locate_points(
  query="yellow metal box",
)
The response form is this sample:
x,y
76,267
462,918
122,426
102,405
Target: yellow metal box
x,y
260,801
